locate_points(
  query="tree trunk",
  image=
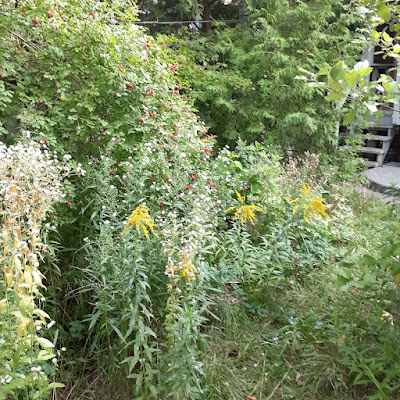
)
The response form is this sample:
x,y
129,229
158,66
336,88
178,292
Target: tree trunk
x,y
206,16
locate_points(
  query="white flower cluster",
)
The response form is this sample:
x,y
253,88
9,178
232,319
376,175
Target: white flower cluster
x,y
6,379
28,174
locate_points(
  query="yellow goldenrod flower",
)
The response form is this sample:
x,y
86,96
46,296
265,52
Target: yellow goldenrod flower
x,y
140,218
312,207
188,270
306,190
240,197
245,211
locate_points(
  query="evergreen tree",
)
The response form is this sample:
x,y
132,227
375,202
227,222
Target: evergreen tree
x,y
245,84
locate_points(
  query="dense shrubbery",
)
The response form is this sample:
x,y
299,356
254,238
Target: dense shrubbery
x,y
243,78
158,240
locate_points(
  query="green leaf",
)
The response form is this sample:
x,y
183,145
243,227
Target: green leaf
x,y
345,272
365,71
53,385
238,164
334,96
396,48
349,118
341,282
94,319
383,11
369,278
352,78
338,71
368,260
378,115
323,71
255,187
386,37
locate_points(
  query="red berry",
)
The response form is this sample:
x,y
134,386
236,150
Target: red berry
x,y
54,217
69,192
24,9
104,134
217,187
69,203
115,93
92,14
35,21
129,85
1,75
49,14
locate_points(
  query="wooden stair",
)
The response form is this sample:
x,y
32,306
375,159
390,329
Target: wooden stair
x,y
376,145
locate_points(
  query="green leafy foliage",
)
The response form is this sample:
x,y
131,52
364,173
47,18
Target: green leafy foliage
x,y
359,97
244,81
191,303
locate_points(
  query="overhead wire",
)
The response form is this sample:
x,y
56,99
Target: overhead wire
x,y
184,22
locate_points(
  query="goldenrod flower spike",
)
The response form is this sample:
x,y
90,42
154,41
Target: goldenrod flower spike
x,y
245,211
140,218
312,207
240,197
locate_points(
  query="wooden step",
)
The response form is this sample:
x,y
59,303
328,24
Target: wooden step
x,y
382,126
380,138
372,150
371,164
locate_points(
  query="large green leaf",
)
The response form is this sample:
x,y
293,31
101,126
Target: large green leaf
x,y
334,96
349,118
352,78
383,11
